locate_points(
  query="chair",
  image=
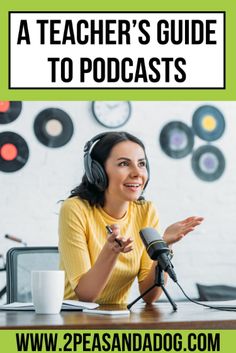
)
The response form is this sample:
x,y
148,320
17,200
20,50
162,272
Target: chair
x,y
19,264
216,292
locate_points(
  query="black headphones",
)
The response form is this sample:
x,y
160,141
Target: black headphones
x,y
94,171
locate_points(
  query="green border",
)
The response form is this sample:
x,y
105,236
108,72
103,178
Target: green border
x,y
229,6
72,340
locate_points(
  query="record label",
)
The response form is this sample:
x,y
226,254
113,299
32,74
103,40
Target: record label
x,y
9,152
53,127
4,106
14,152
176,139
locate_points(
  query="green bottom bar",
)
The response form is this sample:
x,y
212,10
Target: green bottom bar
x,y
12,341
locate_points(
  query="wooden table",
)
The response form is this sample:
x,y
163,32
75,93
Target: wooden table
x,y
156,316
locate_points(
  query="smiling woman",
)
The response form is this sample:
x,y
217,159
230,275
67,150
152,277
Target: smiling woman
x,y
99,243
127,174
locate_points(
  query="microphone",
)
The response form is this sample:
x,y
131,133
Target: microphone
x,y
158,250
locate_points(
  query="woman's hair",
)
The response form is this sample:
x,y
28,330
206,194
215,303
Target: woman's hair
x,y
100,152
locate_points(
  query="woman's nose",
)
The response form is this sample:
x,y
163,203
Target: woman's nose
x,y
135,171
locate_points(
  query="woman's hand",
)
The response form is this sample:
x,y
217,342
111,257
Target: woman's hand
x,y
178,230
93,282
118,243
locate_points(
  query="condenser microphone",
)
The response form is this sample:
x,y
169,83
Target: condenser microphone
x,y
158,250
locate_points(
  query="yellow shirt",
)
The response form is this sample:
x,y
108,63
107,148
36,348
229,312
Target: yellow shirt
x,y
82,235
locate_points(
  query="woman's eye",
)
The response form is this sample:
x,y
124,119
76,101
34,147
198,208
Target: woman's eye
x,y
142,164
124,163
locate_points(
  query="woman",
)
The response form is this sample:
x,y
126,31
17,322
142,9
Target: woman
x,y
99,265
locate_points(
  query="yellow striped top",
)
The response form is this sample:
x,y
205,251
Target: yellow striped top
x,y
82,235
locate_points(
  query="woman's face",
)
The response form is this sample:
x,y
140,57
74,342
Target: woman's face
x,y
126,171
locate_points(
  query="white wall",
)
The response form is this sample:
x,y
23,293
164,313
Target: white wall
x,y
28,197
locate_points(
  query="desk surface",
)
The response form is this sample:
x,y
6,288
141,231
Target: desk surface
x,y
156,316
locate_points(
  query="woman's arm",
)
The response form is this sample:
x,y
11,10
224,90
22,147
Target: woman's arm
x,y
148,282
92,283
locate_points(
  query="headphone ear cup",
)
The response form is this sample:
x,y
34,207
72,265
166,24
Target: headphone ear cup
x,y
88,167
94,172
98,175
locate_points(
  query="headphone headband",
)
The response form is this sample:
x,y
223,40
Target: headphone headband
x,y
90,143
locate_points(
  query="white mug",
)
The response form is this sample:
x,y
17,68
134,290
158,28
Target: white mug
x,y
47,289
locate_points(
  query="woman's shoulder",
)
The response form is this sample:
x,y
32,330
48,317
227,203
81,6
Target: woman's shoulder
x,y
75,203
146,212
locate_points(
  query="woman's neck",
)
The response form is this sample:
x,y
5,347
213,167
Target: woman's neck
x,y
115,209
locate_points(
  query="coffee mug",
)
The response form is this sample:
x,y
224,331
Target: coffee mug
x,y
47,289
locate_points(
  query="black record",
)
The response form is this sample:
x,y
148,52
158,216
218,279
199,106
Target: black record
x,y
14,152
9,111
176,139
208,123
53,127
208,163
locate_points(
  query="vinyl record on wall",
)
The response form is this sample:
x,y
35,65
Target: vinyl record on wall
x,y
208,163
176,139
14,152
9,111
208,123
53,127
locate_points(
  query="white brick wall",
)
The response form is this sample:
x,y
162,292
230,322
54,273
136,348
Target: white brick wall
x,y
28,202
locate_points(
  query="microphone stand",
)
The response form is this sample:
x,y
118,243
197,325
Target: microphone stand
x,y
159,282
